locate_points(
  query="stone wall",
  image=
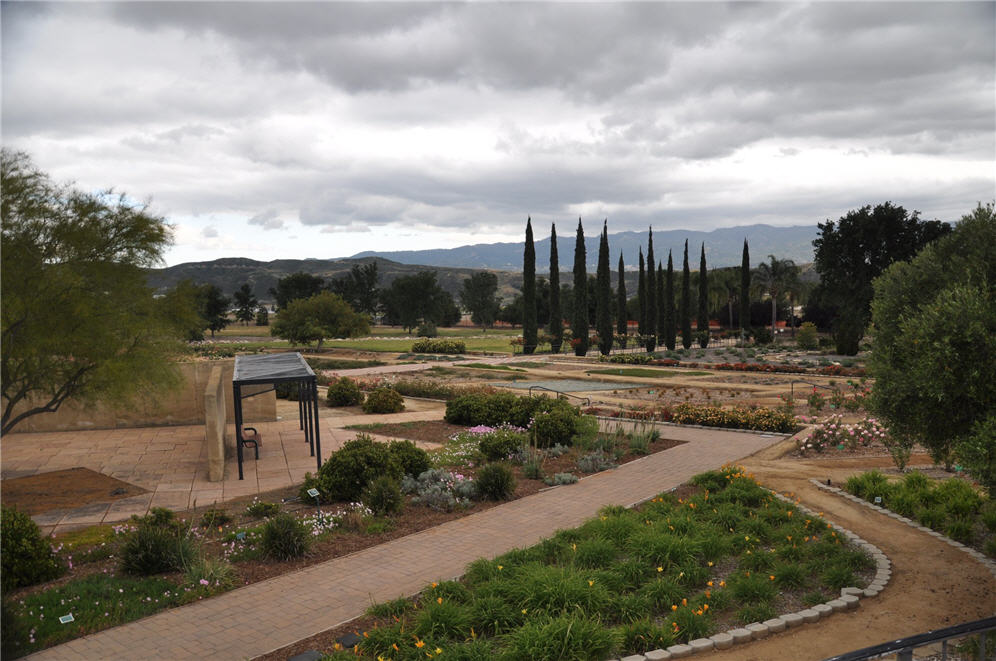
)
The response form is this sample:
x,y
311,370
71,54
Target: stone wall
x,y
182,406
215,420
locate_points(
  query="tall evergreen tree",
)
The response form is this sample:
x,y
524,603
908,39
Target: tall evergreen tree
x,y
579,320
685,309
529,330
641,293
670,332
745,289
702,323
556,313
661,307
622,320
603,294
651,295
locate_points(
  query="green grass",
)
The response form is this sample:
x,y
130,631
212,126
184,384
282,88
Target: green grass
x,y
341,363
627,580
530,364
96,602
644,373
484,366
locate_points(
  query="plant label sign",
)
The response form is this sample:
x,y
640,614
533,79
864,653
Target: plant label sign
x,y
66,619
313,493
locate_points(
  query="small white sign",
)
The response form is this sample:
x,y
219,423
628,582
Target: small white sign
x,y
878,500
313,493
66,619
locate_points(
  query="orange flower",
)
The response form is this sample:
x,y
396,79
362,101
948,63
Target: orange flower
x,y
674,607
439,600
434,584
684,602
709,583
722,584
771,576
419,643
705,607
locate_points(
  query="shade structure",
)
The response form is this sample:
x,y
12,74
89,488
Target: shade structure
x,y
255,375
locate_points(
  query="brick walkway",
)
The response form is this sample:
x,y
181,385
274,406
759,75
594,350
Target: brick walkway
x,y
259,618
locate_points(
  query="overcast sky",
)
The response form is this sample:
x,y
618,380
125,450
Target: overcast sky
x,y
278,130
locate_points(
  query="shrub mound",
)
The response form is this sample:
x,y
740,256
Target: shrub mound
x,y
438,345
158,544
344,392
348,471
384,400
739,417
555,420
284,537
27,558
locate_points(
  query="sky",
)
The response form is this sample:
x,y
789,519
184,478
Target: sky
x,y
319,130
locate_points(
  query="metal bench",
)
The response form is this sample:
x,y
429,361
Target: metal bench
x,y
250,438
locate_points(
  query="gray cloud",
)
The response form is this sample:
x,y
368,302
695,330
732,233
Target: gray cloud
x,y
268,220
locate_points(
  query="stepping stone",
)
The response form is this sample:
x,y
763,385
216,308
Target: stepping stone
x,y
847,591
740,635
792,620
872,592
722,641
810,615
775,624
700,645
758,630
657,655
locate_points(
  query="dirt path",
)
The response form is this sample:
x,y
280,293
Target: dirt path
x,y
933,584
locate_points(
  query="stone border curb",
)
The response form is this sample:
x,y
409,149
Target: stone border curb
x,y
978,555
849,600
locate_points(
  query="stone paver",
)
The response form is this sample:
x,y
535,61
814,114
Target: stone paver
x,y
270,614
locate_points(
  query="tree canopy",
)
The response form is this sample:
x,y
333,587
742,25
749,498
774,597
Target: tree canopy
x,y
295,286
479,296
413,299
856,249
530,330
78,321
775,277
213,307
314,319
359,287
245,303
579,312
934,340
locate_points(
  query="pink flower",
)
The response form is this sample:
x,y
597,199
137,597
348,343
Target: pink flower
x,y
204,581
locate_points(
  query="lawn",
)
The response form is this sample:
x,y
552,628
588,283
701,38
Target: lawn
x,y
493,343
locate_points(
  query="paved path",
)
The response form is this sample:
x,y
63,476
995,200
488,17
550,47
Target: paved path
x,y
265,616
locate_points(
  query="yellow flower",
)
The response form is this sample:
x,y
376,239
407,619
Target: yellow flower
x,y
591,583
434,584
660,569
500,567
439,600
439,651
709,563
523,611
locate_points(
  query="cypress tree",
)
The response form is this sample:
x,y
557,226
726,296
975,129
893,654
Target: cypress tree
x,y
622,320
669,322
661,308
556,314
651,295
745,290
603,294
579,323
685,309
529,330
703,320
641,294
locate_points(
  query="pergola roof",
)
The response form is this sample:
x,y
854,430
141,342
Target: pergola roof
x,y
271,368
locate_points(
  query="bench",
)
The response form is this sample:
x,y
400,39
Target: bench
x,y
251,438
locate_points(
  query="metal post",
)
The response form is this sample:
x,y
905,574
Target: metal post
x,y
237,397
905,655
317,435
300,406
308,397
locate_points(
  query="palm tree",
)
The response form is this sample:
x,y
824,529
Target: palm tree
x,y
724,289
775,278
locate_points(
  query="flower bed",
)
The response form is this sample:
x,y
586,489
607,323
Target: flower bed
x,y
756,418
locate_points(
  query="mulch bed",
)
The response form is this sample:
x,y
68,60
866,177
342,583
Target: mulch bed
x,y
63,489
430,431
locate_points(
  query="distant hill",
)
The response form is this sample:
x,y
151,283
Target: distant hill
x,y
723,248
454,265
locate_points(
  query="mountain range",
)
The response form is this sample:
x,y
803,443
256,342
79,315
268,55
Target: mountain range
x,y
723,248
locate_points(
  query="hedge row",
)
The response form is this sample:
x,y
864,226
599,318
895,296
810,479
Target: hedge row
x,y
739,417
553,420
438,345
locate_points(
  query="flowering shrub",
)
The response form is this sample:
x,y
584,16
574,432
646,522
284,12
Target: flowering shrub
x,y
833,432
738,417
322,522
497,443
440,489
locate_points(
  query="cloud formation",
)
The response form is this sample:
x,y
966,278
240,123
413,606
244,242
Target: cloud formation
x,y
347,122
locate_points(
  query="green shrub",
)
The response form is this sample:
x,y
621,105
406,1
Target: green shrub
x,y
492,616
159,544
807,338
754,589
393,608
595,462
258,509
643,635
284,538
344,392
383,496
555,427
838,575
758,613
761,335
495,482
444,619
214,517
739,417
413,460
533,469
438,345
347,472
427,329
960,530
384,400
497,445
27,558
560,478
566,637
